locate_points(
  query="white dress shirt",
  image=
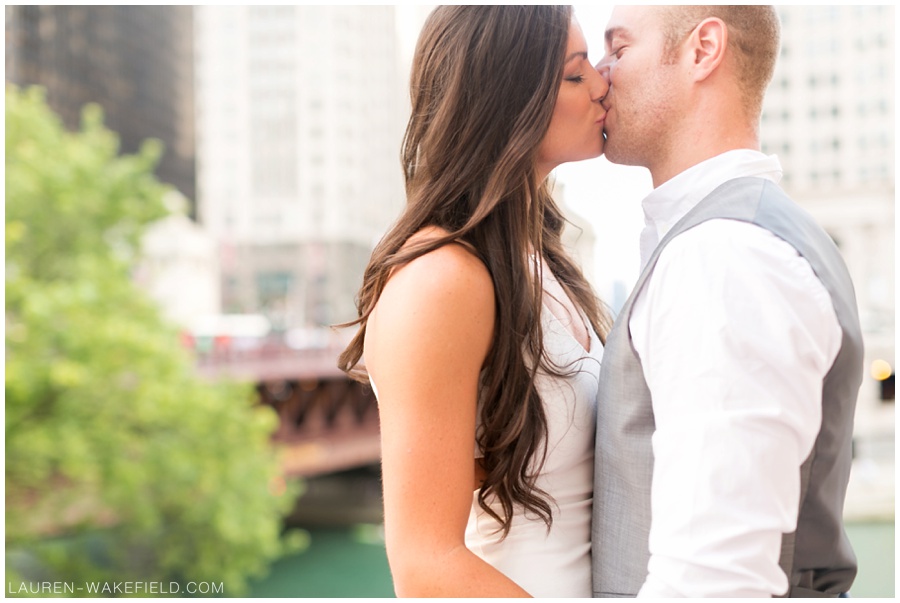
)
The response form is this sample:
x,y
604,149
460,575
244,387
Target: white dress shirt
x,y
735,334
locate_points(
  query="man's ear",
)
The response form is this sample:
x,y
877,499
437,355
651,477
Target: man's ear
x,y
707,45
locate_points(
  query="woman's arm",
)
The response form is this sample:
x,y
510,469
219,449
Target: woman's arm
x,y
425,344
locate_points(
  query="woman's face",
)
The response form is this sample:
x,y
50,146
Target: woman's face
x,y
576,129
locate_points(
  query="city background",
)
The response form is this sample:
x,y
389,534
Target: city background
x,y
280,130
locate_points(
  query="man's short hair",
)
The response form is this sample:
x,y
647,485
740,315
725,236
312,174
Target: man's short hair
x,y
754,37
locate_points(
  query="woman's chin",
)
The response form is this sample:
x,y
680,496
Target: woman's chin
x,y
596,152
597,149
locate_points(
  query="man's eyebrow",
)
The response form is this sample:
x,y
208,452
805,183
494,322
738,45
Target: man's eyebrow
x,y
580,53
612,32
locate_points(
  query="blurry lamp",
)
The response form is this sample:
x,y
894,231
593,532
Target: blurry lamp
x,y
881,370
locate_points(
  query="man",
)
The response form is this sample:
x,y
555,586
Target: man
x,y
730,378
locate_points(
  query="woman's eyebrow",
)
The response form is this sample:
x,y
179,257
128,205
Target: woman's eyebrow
x,y
581,53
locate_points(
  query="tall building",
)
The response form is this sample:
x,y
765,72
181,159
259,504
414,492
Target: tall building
x,y
829,116
829,110
300,120
134,61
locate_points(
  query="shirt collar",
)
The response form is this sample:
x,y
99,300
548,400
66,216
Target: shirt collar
x,y
670,201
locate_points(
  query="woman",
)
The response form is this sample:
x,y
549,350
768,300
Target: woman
x,y
468,287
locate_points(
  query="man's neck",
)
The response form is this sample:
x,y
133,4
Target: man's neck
x,y
703,135
683,161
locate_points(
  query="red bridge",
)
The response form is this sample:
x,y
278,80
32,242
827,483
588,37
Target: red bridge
x,y
328,421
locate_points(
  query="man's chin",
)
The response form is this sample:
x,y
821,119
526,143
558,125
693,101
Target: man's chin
x,y
612,154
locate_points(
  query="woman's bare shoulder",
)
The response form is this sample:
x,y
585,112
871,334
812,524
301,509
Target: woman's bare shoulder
x,y
447,268
446,293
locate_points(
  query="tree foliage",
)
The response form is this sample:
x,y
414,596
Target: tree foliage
x,y
121,464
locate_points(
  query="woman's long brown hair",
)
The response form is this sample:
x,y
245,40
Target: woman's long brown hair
x,y
483,88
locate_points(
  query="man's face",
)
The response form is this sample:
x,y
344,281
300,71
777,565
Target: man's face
x,y
643,97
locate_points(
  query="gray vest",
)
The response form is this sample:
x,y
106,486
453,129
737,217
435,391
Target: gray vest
x,y
817,557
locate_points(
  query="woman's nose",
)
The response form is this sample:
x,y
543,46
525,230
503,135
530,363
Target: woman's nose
x,y
599,86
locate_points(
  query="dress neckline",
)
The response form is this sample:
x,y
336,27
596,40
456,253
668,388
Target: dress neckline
x,y
592,336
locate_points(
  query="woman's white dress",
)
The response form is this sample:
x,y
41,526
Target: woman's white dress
x,y
555,563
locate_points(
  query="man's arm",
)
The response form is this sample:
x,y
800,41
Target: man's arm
x,y
735,334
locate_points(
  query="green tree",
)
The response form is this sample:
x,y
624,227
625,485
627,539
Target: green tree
x,y
121,464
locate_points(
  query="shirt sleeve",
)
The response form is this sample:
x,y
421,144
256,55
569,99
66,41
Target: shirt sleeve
x,y
735,334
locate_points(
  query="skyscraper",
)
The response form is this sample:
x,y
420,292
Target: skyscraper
x,y
299,128
134,61
829,110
